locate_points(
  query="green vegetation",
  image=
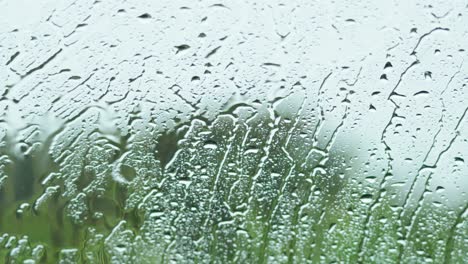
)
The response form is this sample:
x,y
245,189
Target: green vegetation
x,y
248,187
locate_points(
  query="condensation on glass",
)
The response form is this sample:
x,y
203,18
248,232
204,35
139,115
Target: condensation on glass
x,y
233,131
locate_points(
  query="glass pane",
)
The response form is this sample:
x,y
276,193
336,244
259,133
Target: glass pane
x,y
233,131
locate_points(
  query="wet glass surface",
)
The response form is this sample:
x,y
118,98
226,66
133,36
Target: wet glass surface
x,y
233,131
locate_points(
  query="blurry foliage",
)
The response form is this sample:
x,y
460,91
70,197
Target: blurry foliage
x,y
248,187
